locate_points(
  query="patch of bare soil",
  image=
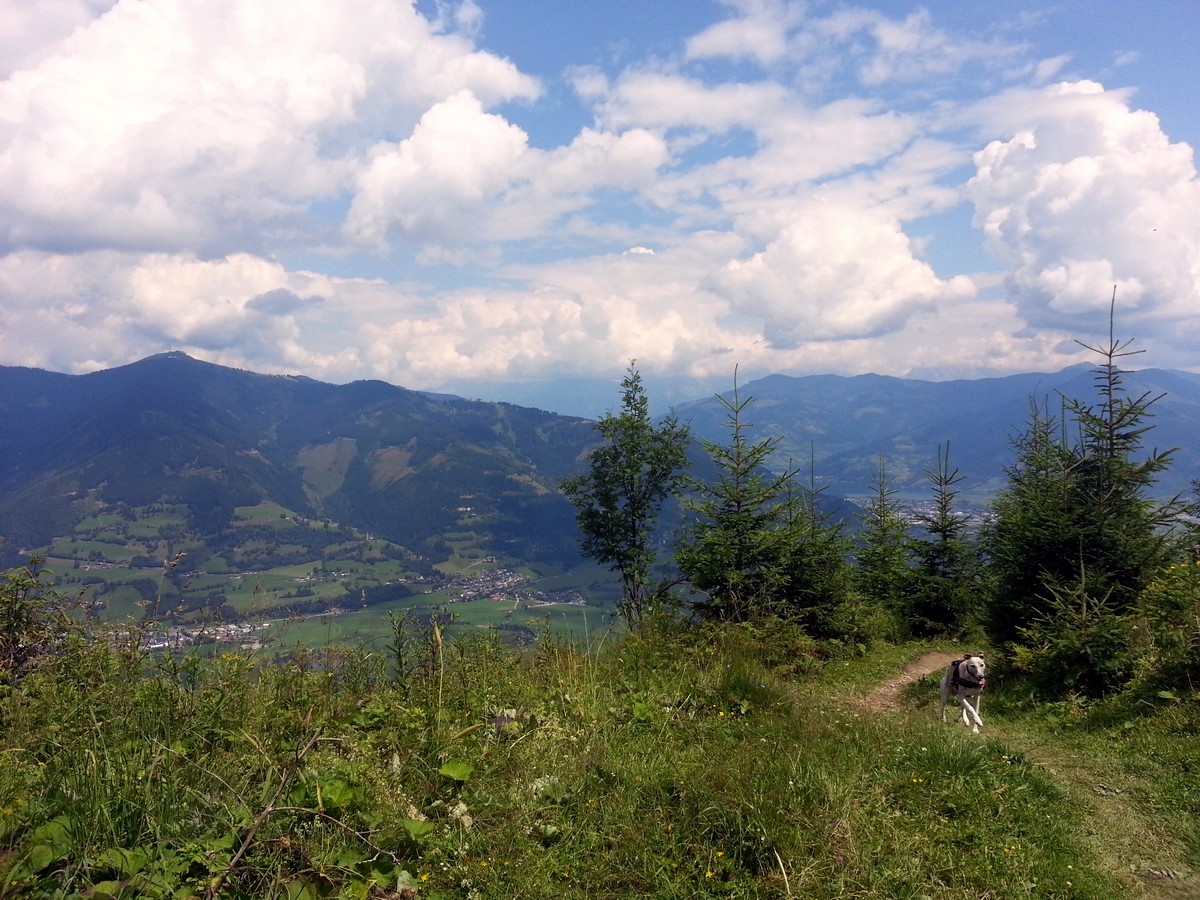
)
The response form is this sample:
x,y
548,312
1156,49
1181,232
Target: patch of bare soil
x,y
1139,856
886,697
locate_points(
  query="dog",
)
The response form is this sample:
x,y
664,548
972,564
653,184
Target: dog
x,y
965,679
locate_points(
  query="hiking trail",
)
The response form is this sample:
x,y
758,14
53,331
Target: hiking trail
x,y
1130,845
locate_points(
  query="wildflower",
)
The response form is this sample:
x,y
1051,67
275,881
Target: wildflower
x,y
708,874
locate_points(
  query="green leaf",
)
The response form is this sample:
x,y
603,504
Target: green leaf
x,y
39,857
105,890
337,792
417,828
125,862
459,771
300,890
56,833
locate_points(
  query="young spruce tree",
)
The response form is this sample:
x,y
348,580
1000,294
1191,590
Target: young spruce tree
x,y
733,548
1077,518
943,598
883,576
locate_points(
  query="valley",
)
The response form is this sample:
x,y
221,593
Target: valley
x,y
277,577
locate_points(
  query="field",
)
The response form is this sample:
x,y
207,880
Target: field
x,y
310,582
722,762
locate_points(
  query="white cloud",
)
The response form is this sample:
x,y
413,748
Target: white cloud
x,y
760,33
430,185
1087,194
657,99
887,52
836,273
176,124
178,174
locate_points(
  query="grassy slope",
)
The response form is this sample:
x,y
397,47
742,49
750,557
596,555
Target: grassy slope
x,y
723,764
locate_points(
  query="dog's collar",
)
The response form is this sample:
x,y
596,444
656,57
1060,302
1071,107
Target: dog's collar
x,y
959,681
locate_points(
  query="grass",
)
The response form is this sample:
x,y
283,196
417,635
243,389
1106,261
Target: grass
x,y
673,763
1129,765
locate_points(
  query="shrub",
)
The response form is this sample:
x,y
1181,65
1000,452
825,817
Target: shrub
x,y
34,619
1168,629
1078,644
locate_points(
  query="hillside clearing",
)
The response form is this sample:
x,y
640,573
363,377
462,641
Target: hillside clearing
x,y
1135,848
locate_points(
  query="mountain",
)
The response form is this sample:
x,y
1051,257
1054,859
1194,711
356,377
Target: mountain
x,y
249,472
844,425
171,430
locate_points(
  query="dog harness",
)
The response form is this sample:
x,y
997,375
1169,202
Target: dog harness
x,y
957,681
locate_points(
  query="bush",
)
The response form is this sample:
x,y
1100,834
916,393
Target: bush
x,y
33,619
1167,636
1079,644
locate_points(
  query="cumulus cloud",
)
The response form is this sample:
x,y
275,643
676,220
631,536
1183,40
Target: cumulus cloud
x,y
859,257
465,174
1087,193
176,124
362,189
108,307
29,32
430,185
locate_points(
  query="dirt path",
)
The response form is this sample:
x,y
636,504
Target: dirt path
x,y
886,697
1136,853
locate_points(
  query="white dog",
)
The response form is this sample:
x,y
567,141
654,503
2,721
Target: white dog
x,y
965,679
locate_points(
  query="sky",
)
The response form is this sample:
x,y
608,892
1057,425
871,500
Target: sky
x,y
482,195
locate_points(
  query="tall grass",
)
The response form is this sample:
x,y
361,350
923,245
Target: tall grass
x,y
669,763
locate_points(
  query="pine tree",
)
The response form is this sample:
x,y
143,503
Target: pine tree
x,y
1078,512
733,548
883,576
943,598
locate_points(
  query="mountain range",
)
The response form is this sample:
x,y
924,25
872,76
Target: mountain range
x,y
410,467
404,465
844,426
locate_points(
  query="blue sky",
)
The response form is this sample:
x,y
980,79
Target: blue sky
x,y
503,197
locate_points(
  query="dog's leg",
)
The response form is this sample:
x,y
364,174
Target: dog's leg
x,y
945,698
973,709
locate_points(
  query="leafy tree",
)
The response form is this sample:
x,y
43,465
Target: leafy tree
x,y
619,498
944,589
1078,513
